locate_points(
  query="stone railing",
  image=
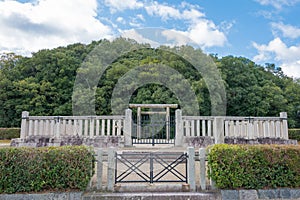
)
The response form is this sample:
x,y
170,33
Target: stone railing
x,y
98,131
192,130
82,126
256,127
104,131
197,126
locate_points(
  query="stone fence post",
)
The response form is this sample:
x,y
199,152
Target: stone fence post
x,y
191,169
218,130
111,164
57,127
284,126
24,125
99,171
128,127
202,159
179,128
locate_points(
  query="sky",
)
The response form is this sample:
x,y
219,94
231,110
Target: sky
x,y
265,31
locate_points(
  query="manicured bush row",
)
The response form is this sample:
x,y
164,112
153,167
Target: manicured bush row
x,y
45,169
294,134
9,133
254,166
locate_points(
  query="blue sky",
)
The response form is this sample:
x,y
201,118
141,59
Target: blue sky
x,y
265,31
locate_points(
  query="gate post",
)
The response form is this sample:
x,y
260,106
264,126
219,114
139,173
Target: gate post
x,y
191,169
179,128
111,159
24,126
202,154
99,169
218,130
284,126
128,127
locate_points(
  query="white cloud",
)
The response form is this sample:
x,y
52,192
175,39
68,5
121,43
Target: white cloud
x,y
167,12
192,14
117,5
28,27
177,38
133,34
164,11
204,32
140,17
120,20
288,57
288,31
278,4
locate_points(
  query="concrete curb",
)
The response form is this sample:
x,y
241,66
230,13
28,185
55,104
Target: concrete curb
x,y
44,196
284,193
152,196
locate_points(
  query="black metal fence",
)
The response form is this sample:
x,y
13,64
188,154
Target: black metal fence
x,y
151,167
151,130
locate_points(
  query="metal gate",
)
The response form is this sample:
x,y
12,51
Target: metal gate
x,y
153,130
151,167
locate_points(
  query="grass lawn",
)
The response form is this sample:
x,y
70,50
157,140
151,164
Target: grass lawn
x,y
4,141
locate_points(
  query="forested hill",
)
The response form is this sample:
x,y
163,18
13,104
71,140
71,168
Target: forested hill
x,y
43,84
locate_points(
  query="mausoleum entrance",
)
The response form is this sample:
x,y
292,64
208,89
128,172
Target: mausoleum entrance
x,y
153,123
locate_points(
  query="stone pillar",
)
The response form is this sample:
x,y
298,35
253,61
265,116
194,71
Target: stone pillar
x,y
139,125
218,130
92,127
99,169
202,152
111,164
57,131
24,125
191,169
179,128
168,123
284,128
128,127
250,130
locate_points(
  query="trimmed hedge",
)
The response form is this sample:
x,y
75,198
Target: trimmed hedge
x,y
294,134
9,133
45,169
254,166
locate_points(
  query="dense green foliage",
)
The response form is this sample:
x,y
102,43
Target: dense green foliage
x,y
254,167
43,84
294,134
39,169
9,133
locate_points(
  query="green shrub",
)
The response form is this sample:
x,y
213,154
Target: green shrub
x,y
254,166
39,169
9,133
294,134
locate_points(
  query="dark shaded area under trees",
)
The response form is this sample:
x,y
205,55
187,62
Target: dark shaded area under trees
x,y
43,84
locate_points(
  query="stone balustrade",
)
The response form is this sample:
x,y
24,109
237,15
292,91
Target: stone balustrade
x,y
216,129
197,131
81,126
256,127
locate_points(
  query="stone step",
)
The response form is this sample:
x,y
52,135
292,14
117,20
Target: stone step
x,y
152,196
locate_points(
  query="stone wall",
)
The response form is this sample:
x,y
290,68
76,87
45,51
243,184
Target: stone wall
x,y
42,141
239,140
198,142
204,141
284,193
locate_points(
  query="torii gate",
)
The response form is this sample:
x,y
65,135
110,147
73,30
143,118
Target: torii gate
x,y
162,106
